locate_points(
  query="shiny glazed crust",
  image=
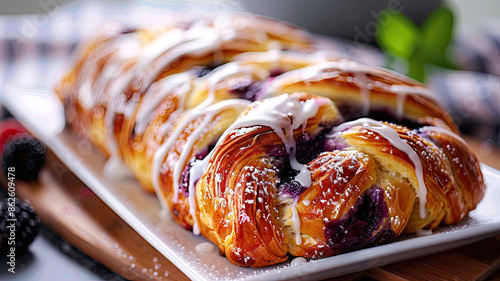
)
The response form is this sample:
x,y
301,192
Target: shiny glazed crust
x,y
266,146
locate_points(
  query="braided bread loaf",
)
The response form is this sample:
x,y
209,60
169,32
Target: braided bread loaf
x,y
266,146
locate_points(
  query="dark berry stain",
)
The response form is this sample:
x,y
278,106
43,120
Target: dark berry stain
x,y
185,175
366,224
247,89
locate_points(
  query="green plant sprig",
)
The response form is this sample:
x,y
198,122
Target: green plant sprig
x,y
402,39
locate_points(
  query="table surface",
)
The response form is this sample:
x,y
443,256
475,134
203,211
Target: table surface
x,y
88,250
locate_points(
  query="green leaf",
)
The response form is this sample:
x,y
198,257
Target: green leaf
x,y
441,58
396,34
437,31
416,70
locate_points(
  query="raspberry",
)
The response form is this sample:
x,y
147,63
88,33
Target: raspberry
x,y
26,225
8,129
26,155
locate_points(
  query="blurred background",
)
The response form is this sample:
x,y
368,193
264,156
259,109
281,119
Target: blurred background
x,y
36,37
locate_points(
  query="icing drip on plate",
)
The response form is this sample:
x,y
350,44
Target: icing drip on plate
x,y
114,168
298,261
204,248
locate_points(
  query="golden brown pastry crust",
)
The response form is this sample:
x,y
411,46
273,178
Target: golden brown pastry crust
x,y
175,105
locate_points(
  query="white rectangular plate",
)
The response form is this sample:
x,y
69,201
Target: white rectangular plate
x,y
42,113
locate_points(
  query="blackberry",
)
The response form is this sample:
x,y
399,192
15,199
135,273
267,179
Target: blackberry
x,y
26,155
25,226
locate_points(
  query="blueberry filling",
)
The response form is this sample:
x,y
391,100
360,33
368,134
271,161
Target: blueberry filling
x,y
308,148
276,72
132,134
332,144
287,184
352,112
366,224
247,89
277,151
286,175
250,89
185,175
201,71
127,30
184,185
292,188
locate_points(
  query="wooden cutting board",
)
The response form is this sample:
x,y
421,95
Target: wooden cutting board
x,y
71,210
74,212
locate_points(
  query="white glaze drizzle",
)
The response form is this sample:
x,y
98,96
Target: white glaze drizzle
x,y
272,56
213,78
360,79
109,115
123,48
86,92
392,136
283,114
165,127
198,40
180,83
329,69
443,130
364,85
160,154
299,178
400,105
162,151
296,222
115,85
114,105
225,71
402,91
412,90
160,45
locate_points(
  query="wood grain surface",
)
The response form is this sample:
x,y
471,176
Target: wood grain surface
x,y
75,213
71,210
